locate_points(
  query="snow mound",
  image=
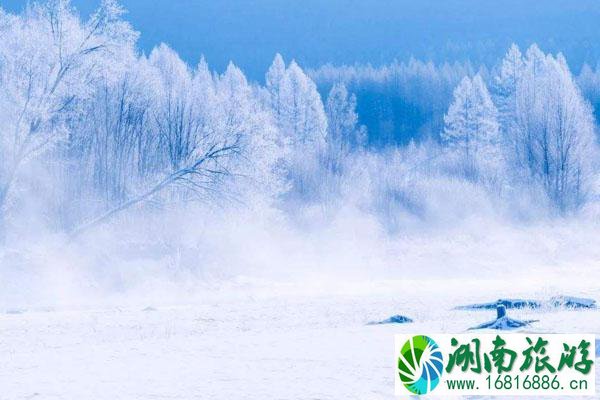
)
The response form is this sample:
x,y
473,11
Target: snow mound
x,y
508,303
394,319
572,302
504,323
554,302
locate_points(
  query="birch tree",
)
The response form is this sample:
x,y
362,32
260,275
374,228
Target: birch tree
x,y
49,62
555,139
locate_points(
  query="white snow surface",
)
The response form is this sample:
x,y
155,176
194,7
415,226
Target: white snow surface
x,y
259,344
278,336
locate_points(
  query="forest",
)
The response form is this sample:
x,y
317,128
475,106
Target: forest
x,y
176,230
98,137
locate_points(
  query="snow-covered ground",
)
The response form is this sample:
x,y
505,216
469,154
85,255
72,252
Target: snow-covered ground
x,y
277,334
260,343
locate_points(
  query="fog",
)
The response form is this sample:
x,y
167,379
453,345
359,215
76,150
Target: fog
x,y
149,179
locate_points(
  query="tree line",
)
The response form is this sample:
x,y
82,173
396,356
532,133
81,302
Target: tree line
x,y
91,128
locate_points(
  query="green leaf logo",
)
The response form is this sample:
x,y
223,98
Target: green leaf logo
x,y
420,364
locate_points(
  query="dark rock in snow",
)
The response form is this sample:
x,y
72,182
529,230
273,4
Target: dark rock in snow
x,y
508,303
556,302
394,319
572,302
502,321
149,309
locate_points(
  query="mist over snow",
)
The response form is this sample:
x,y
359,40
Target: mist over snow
x,y
123,172
158,206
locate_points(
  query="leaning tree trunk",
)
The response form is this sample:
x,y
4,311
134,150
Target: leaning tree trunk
x,y
124,206
183,174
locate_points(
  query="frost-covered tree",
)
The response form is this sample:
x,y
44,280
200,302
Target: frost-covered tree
x,y
212,137
471,128
297,105
300,117
49,63
343,131
145,125
505,89
243,117
175,113
274,79
399,101
115,144
589,82
554,138
343,127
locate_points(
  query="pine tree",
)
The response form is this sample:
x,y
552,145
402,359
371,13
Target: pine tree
x,y
303,112
505,90
344,133
471,128
273,79
300,118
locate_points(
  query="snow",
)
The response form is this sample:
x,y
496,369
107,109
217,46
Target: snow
x,y
291,319
557,301
169,232
269,340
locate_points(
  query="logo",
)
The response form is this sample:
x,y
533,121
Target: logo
x,y
495,364
420,364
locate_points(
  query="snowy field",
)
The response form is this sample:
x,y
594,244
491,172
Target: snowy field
x,y
270,334
171,229
251,340
188,307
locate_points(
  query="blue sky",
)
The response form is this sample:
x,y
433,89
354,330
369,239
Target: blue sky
x,y
249,32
